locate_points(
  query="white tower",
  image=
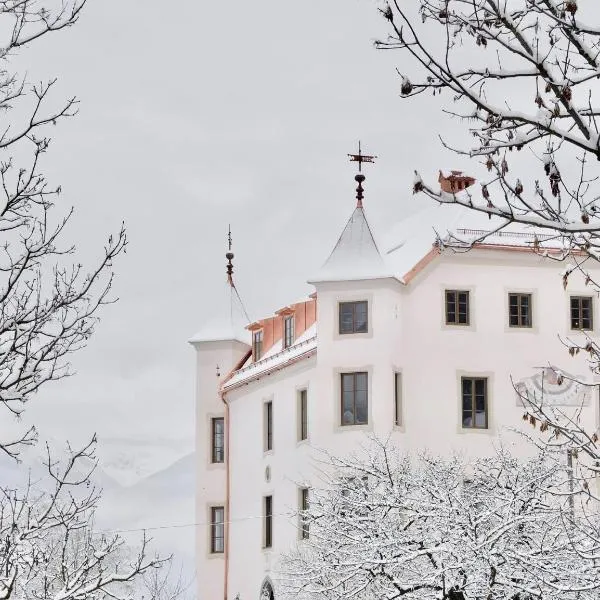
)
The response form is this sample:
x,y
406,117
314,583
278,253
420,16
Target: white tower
x,y
220,345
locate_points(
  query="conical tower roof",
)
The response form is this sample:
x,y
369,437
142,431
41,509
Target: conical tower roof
x,y
355,255
230,323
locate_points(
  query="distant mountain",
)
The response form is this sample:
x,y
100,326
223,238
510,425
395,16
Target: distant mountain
x,y
130,460
162,503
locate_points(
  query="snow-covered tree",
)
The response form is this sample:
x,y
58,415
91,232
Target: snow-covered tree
x,y
521,77
48,300
49,549
49,305
385,525
520,74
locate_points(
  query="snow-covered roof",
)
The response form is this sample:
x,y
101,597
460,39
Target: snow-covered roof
x,y
411,239
229,324
306,344
355,255
218,330
513,236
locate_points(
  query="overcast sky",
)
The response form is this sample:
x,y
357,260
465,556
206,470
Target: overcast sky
x,y
195,115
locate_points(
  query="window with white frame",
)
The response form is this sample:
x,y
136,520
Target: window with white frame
x,y
217,440
474,402
257,345
457,307
303,505
268,426
268,521
397,399
353,317
288,331
354,400
217,529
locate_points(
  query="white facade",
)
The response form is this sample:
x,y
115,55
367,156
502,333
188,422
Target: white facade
x,y
407,334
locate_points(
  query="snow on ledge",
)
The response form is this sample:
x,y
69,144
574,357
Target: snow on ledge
x,y
305,345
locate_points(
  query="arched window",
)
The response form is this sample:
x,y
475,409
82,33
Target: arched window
x,y
266,591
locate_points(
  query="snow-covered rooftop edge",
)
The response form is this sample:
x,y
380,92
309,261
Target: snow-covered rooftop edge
x,y
303,347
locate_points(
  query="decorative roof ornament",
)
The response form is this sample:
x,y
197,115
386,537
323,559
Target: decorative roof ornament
x,y
232,317
360,158
229,256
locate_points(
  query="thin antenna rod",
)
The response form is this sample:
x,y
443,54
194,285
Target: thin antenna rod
x,y
230,256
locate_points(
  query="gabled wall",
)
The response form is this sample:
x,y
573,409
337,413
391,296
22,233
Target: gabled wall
x,y
434,356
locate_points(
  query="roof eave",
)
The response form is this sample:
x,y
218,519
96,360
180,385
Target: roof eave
x,y
357,278
196,341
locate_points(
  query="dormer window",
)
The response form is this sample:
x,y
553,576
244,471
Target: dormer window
x,y
354,317
288,331
257,344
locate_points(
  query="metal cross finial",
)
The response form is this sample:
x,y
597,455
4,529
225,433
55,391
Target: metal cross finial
x,y
360,158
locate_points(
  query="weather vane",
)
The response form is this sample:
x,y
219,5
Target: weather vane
x,y
360,158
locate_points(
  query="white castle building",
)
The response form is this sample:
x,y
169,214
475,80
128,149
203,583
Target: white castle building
x,y
411,341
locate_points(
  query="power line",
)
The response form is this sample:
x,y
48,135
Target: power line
x,y
183,525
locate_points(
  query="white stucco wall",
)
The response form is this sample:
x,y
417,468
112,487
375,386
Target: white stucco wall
x,y
210,478
407,333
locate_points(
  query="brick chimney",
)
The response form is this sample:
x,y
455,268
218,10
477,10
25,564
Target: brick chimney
x,y
455,182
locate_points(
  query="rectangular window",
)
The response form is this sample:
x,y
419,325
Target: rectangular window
x,y
354,317
457,307
268,522
268,426
303,415
519,310
582,312
257,345
218,440
217,529
354,401
474,403
397,399
288,331
304,506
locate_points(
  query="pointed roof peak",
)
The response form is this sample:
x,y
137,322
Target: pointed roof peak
x,y
355,255
231,323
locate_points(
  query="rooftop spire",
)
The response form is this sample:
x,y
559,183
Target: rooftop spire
x,y
229,256
360,158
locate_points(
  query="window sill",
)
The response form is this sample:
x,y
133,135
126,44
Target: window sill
x,y
353,336
215,466
520,329
365,427
477,430
457,327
